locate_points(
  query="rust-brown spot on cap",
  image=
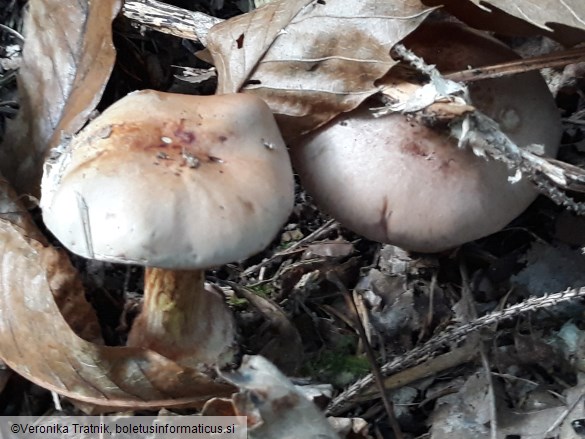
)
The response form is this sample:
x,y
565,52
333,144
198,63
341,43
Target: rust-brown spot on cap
x,y
168,163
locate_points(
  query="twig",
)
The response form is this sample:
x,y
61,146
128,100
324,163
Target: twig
x,y
454,335
574,121
483,136
472,312
13,32
169,19
428,368
558,196
491,392
56,401
564,415
556,59
388,404
322,230
534,384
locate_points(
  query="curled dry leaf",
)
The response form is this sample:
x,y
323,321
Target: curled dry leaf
x,y
562,20
41,300
65,283
276,409
67,60
311,60
570,13
12,210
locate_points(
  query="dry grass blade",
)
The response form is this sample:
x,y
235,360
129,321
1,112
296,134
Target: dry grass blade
x,y
559,59
467,297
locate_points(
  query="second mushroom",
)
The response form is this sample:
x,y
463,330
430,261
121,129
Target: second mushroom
x,y
399,180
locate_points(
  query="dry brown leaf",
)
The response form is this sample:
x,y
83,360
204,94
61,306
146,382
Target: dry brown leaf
x,y
311,60
543,13
13,211
37,343
67,59
558,19
42,299
275,408
65,283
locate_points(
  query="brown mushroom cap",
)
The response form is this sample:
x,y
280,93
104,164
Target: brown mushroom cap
x,y
394,180
172,181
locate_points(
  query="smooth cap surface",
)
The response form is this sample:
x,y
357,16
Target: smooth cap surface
x,y
172,181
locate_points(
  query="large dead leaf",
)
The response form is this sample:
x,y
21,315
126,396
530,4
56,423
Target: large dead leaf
x,y
41,300
311,60
67,59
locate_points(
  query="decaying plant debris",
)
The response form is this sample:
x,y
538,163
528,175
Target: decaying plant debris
x,y
485,340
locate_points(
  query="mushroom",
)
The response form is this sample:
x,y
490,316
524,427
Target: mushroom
x,y
177,184
396,180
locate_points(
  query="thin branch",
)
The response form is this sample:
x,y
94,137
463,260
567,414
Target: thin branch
x,y
564,415
438,343
472,312
13,32
556,59
294,248
484,137
388,404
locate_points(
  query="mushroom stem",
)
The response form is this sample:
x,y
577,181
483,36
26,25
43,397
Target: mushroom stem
x,y
183,320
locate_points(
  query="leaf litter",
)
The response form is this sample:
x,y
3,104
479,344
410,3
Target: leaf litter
x,y
59,347
428,345
63,73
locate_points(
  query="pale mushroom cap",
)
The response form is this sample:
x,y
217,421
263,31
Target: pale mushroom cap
x,y
393,180
171,181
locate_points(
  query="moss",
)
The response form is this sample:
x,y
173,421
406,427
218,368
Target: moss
x,y
237,302
285,245
337,366
263,290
